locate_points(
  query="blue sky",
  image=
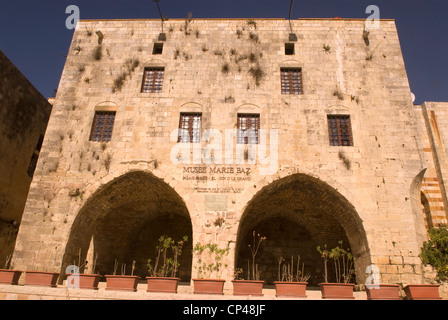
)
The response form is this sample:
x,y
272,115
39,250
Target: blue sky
x,y
33,33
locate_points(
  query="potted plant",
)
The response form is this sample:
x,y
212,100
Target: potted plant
x,y
8,275
253,285
383,292
290,283
377,291
434,253
343,260
41,278
78,280
122,281
163,273
206,266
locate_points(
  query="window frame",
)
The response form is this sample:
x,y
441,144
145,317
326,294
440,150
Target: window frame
x,y
246,139
288,84
340,130
153,84
108,125
194,134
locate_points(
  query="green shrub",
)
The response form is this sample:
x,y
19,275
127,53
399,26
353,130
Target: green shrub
x,y
435,251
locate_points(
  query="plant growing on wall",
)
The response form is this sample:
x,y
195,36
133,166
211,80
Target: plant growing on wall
x,y
435,251
165,265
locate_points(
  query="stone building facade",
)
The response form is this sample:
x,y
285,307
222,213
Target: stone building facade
x,y
305,133
24,115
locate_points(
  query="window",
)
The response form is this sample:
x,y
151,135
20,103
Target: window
x,y
248,126
340,130
35,157
292,81
289,49
190,127
153,80
103,125
158,48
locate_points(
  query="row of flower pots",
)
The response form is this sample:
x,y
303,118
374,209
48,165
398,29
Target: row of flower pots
x,y
216,286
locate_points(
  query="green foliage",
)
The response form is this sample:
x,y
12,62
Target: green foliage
x,y
168,265
435,251
214,263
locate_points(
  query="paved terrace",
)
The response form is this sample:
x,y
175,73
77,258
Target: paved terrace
x,y
185,292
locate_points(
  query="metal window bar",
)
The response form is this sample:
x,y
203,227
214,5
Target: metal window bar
x,y
102,127
248,126
190,127
292,81
153,80
340,130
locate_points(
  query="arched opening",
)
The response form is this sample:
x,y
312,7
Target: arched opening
x,y
297,214
426,212
122,223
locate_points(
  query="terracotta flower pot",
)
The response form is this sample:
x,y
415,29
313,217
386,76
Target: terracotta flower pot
x,y
40,278
337,290
162,284
247,287
383,292
422,292
208,286
290,289
87,281
121,282
9,276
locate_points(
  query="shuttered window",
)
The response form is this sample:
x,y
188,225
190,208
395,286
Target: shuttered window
x,y
291,81
153,80
248,126
340,130
102,127
190,127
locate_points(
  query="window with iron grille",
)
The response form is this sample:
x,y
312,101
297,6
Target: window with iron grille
x,y
248,126
190,127
291,81
103,125
153,80
340,130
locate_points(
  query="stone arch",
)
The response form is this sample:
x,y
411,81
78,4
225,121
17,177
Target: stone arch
x,y
123,219
291,63
416,203
154,63
191,107
426,211
248,108
106,106
297,213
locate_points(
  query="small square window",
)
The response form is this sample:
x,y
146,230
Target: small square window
x,y
289,49
158,48
340,130
102,127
